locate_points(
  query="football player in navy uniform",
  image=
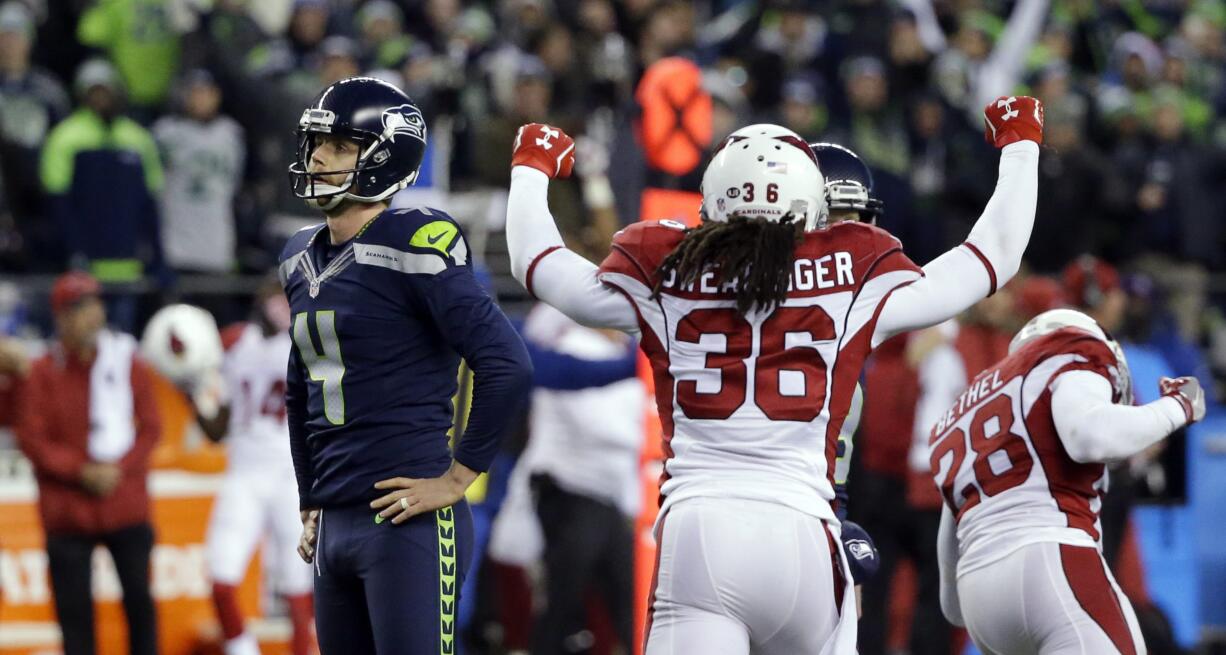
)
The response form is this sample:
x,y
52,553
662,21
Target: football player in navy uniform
x,y
849,195
384,306
849,184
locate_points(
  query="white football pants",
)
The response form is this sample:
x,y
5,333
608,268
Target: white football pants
x,y
1048,599
254,506
740,576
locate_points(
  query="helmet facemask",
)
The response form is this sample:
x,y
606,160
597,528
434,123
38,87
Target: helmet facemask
x,y
849,183
851,194
309,185
1123,381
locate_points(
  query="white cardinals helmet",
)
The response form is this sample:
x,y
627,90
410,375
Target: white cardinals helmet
x,y
1057,319
764,171
182,342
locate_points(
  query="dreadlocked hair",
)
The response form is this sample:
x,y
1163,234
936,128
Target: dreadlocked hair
x,y
753,252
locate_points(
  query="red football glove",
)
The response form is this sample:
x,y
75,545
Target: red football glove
x,y
1188,392
1009,119
545,148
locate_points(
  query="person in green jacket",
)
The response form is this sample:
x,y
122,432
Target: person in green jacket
x,y
140,38
102,176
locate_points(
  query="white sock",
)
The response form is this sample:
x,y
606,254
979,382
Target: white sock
x,y
244,644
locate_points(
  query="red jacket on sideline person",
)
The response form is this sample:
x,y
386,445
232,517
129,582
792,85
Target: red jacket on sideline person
x,y
53,432
891,388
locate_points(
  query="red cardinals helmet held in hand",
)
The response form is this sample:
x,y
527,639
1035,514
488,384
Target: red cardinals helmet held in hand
x,y
546,148
1009,119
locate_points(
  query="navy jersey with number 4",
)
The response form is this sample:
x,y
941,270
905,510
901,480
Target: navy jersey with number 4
x,y
379,327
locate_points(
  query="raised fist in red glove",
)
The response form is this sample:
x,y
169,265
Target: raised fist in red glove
x,y
545,148
1188,392
1009,119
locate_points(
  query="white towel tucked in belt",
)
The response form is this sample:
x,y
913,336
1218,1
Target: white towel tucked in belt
x,y
111,427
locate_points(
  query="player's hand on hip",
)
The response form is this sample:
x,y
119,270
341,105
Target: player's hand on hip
x,y
1188,392
412,496
546,148
1009,119
310,528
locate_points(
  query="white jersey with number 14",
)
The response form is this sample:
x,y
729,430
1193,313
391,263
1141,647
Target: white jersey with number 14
x,y
254,373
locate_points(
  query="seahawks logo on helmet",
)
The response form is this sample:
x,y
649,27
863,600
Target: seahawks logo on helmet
x,y
406,120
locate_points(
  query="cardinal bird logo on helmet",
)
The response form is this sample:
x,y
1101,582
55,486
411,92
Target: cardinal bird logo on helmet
x,y
405,119
176,345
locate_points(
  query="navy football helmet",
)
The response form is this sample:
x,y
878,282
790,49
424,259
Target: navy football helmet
x,y
391,136
849,182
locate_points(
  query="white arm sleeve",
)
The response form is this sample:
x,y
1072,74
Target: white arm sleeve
x,y
947,563
990,257
1093,429
560,277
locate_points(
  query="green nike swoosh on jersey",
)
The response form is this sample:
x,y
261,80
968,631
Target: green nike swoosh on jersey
x,y
436,235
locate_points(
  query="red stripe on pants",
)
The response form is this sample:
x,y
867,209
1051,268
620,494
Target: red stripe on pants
x,y
1084,569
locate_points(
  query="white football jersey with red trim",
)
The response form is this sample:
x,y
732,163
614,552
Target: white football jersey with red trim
x,y
1000,464
751,406
254,371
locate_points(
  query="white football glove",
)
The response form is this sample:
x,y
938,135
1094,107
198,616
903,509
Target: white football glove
x,y
1188,392
208,393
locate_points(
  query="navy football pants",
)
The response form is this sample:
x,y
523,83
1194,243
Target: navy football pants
x,y
390,589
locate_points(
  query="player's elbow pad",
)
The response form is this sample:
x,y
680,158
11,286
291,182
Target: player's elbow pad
x,y
1086,447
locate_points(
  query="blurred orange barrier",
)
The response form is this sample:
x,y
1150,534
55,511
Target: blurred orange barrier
x,y
182,499
181,588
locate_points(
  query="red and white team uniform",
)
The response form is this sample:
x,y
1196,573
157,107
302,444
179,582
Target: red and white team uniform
x,y
1019,461
751,409
751,406
258,500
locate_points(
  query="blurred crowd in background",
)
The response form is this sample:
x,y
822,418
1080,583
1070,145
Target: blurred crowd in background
x,y
149,138
147,142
